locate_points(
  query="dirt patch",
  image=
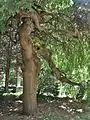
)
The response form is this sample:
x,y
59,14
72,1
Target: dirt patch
x,y
52,110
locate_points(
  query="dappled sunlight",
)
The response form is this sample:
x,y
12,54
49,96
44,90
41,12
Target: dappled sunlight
x,y
61,108
44,60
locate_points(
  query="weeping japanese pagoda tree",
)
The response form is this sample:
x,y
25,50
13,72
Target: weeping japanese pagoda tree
x,y
47,21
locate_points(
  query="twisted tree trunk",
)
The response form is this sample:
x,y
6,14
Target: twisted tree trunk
x,y
29,68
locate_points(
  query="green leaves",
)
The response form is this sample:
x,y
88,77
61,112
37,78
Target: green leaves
x,y
70,55
11,7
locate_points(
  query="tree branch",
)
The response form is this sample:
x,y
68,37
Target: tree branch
x,y
59,74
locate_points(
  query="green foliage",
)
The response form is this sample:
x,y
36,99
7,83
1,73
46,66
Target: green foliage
x,y
12,77
11,7
70,55
46,83
72,58
88,92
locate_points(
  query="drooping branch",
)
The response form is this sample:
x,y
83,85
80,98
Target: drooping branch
x,y
61,76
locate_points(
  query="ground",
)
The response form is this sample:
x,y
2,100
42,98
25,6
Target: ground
x,y
61,109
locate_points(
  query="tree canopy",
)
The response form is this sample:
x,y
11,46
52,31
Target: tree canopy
x,y
61,41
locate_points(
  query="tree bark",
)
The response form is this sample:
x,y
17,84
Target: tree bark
x,y
29,68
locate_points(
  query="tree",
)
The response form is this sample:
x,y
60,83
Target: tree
x,y
9,51
17,70
29,68
60,29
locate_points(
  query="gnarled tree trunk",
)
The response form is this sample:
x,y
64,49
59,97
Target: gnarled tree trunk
x,y
29,68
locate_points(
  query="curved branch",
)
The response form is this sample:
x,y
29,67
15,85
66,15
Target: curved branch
x,y
59,74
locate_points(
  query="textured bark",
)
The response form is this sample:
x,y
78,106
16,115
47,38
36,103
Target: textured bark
x,y
29,68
